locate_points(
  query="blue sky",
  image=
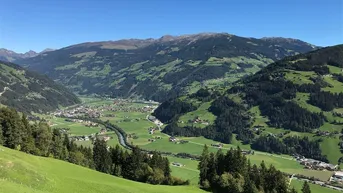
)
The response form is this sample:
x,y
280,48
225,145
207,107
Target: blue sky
x,y
39,24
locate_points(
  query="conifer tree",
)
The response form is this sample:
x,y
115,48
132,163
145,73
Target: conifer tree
x,y
203,167
306,188
101,157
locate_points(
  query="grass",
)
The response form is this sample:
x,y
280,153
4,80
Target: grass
x,y
134,122
330,148
20,172
300,77
202,112
74,128
335,69
336,86
297,184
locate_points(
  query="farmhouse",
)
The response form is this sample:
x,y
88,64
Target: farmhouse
x,y
337,177
177,164
317,165
173,139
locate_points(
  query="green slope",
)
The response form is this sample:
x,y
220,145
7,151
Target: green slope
x,y
20,172
297,96
161,68
28,91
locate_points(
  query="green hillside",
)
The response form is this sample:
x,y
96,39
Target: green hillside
x,y
20,172
291,106
163,68
28,91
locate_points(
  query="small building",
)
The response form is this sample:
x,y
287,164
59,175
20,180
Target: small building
x,y
177,164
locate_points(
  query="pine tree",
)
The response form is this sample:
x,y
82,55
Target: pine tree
x,y
43,138
101,157
1,136
293,190
306,188
166,168
28,140
12,128
203,167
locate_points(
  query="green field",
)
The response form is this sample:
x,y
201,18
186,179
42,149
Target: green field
x,y
20,172
297,184
202,113
74,128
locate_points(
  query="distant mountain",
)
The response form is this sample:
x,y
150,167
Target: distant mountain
x,y
10,56
29,91
161,68
294,105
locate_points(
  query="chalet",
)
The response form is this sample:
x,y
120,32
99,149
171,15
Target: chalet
x,y
337,177
106,138
103,131
177,164
218,145
173,139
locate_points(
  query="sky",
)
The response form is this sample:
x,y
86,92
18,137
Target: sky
x,y
39,24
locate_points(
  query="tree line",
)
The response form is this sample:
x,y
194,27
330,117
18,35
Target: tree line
x,y
289,145
39,139
233,173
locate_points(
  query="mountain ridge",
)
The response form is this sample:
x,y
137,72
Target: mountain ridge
x,y
28,91
159,69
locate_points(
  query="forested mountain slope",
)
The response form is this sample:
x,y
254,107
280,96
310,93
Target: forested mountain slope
x,y
162,68
28,91
294,105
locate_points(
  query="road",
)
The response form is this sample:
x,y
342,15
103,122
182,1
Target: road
x,y
6,88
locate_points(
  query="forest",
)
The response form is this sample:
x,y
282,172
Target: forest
x,y
39,139
232,172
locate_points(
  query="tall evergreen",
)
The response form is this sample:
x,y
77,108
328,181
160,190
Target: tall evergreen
x,y
203,167
306,188
101,156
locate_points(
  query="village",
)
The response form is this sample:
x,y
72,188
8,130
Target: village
x,y
313,164
105,110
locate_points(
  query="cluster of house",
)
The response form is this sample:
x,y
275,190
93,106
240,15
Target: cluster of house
x,y
324,133
155,120
83,138
154,139
86,123
199,120
315,164
78,111
218,145
152,130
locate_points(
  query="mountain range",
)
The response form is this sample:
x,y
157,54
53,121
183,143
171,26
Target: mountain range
x,y
163,68
10,56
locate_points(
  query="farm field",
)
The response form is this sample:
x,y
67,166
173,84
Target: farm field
x,y
74,128
20,172
297,184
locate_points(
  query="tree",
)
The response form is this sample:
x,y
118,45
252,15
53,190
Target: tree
x,y
43,138
306,188
28,140
101,157
203,167
1,136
